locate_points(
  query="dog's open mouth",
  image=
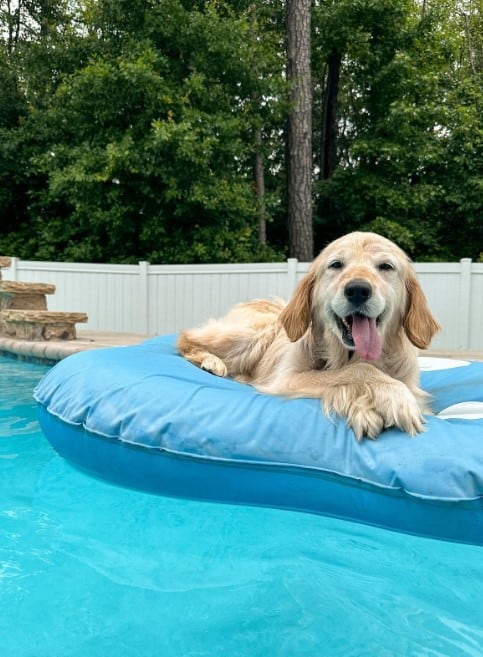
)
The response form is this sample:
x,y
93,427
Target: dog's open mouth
x,y
360,333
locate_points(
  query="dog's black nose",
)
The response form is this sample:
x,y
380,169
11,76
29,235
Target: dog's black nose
x,y
358,291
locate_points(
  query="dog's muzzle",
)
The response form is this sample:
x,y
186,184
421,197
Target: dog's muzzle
x,y
359,328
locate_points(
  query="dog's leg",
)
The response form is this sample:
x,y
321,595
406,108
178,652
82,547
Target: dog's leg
x,y
228,350
370,399
189,348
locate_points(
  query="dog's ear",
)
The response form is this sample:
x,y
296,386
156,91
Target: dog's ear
x,y
419,323
296,315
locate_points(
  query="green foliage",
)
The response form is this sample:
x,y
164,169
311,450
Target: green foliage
x,y
128,130
145,150
410,156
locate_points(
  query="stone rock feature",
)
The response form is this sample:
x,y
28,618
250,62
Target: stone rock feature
x,y
24,296
5,261
24,314
41,324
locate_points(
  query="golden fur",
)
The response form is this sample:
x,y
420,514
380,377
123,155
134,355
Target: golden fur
x,y
308,347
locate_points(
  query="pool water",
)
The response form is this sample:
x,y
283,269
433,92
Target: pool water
x,y
92,570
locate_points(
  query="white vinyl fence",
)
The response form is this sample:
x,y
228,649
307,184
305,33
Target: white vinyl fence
x,y
157,299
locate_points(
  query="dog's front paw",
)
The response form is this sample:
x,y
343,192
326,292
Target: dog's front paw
x,y
214,365
356,406
369,409
399,408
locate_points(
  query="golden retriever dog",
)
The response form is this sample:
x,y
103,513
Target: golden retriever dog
x,y
348,336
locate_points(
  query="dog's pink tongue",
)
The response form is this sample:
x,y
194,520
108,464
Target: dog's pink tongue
x,y
366,338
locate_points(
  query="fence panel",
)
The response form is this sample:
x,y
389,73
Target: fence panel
x,y
109,294
188,295
441,285
475,323
156,299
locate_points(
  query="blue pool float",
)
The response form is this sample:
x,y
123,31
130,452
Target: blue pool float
x,y
144,417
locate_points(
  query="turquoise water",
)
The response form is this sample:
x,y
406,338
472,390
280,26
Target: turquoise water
x,y
91,570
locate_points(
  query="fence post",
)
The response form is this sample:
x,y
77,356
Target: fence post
x,y
291,276
13,269
464,309
143,297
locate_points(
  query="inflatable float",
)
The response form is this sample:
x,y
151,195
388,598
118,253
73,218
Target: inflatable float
x,y
144,417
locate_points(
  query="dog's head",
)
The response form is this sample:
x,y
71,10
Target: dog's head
x,y
361,288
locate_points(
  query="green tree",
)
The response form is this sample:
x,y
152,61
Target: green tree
x,y
134,130
146,148
399,102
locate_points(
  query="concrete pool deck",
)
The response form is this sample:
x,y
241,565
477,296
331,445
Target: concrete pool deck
x,y
55,350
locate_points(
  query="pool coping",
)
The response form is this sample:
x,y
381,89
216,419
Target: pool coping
x,y
51,351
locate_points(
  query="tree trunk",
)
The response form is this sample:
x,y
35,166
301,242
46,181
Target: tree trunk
x,y
299,164
12,16
471,54
329,128
259,174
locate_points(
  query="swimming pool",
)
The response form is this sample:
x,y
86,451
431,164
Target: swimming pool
x,y
90,570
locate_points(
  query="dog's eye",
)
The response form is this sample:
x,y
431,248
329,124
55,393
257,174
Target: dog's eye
x,y
386,266
336,264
